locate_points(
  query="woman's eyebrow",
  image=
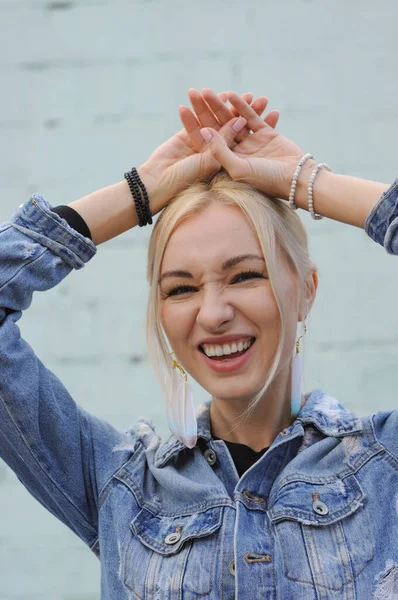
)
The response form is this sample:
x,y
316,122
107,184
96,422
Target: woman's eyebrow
x,y
228,264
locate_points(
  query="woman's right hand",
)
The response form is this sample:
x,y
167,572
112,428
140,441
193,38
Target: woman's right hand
x,y
265,159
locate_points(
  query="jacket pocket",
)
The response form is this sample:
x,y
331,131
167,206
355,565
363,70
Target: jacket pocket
x,y
323,531
172,556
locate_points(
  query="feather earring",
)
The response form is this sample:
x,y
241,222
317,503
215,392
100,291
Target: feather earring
x,y
180,409
296,377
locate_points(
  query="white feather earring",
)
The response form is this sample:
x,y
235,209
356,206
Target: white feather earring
x,y
296,377
180,409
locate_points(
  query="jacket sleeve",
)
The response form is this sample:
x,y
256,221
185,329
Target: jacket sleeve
x,y
62,454
382,222
385,425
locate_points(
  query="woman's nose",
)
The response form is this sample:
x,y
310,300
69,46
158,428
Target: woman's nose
x,y
214,311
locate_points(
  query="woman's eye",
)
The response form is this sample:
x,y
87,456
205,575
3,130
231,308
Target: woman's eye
x,y
184,289
247,275
181,289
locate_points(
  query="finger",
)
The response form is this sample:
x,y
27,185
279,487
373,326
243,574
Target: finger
x,y
259,105
224,113
223,96
218,107
218,146
216,103
204,115
229,131
272,118
247,97
254,122
192,127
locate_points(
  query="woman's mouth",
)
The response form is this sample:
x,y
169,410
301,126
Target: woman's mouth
x,y
229,362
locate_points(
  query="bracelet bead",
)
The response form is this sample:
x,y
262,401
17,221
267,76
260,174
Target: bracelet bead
x,y
295,179
311,190
140,196
135,192
146,208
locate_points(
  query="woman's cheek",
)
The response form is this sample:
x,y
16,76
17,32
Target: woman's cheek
x,y
175,321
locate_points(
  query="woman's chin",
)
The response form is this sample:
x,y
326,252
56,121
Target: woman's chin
x,y
242,393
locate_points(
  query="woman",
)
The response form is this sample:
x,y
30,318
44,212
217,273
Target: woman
x,y
264,492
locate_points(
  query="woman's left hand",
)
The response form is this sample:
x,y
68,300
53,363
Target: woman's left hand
x,y
183,158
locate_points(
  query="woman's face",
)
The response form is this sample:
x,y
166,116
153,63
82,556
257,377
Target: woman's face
x,y
209,299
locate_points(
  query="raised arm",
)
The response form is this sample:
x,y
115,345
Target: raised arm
x,y
63,455
267,160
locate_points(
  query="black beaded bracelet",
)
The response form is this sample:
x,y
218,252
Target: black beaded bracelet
x,y
136,193
140,196
139,191
138,180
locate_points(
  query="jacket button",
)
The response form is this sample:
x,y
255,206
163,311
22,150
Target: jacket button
x,y
320,507
250,496
285,431
172,538
231,567
210,456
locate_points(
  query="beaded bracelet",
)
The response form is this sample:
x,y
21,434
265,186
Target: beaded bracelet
x,y
135,192
295,179
310,190
138,180
138,191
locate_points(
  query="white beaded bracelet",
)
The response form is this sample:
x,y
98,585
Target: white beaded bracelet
x,y
310,190
295,179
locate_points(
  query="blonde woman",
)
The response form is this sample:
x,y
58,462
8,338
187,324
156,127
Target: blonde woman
x,y
263,491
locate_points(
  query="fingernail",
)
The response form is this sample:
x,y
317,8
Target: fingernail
x,y
206,135
240,123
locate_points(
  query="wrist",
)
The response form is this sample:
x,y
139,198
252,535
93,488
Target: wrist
x,y
152,187
301,197
286,180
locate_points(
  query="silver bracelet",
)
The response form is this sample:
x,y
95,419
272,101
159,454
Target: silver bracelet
x,y
295,179
310,190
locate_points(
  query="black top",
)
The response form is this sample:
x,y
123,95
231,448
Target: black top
x,y
243,456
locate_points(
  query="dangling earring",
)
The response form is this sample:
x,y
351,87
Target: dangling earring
x,y
296,377
180,409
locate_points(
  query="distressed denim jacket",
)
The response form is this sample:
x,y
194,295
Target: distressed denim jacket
x,y
315,518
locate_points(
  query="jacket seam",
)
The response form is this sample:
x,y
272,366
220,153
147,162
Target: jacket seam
x,y
46,473
93,545
385,195
69,231
109,482
380,442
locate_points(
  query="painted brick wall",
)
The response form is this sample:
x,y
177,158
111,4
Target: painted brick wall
x,y
90,88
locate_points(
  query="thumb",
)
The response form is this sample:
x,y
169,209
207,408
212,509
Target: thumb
x,y
230,130
219,144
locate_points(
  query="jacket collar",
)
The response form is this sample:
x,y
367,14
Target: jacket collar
x,y
321,410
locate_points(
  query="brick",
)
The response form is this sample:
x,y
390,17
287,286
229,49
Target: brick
x,y
54,96
92,32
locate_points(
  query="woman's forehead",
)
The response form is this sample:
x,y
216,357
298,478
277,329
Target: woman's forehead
x,y
217,229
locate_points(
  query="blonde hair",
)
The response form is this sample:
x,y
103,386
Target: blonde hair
x,y
277,228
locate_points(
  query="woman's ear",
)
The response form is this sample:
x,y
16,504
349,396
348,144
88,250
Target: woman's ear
x,y
310,288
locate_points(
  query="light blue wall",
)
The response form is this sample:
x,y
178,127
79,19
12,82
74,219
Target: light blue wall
x,y
89,89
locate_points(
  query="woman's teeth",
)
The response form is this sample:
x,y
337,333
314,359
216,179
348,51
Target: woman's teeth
x,y
218,350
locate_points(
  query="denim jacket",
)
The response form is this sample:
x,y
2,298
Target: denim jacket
x,y
315,518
